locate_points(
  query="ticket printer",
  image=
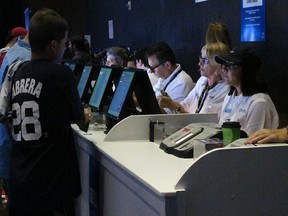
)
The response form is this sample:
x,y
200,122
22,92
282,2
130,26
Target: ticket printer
x,y
182,142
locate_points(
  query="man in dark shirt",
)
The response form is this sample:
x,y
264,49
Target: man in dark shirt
x,y
78,48
44,174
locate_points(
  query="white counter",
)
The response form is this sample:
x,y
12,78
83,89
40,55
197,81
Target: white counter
x,y
136,177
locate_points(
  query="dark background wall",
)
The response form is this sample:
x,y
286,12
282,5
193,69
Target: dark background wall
x,y
182,24
72,10
11,15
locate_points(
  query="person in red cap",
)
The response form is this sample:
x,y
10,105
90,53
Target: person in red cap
x,y
11,40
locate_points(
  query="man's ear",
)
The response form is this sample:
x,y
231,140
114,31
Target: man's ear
x,y
139,62
53,46
167,64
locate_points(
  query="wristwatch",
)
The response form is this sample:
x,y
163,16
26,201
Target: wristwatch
x,y
177,111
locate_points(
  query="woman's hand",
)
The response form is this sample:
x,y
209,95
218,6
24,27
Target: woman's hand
x,y
268,136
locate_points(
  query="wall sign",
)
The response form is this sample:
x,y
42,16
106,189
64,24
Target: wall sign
x,y
110,29
197,1
253,20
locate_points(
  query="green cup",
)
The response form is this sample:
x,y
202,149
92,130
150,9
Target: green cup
x,y
230,131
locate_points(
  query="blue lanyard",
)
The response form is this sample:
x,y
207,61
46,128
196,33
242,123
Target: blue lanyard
x,y
203,96
174,76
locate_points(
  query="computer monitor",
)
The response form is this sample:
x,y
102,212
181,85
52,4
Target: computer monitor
x,y
89,73
123,103
102,93
77,68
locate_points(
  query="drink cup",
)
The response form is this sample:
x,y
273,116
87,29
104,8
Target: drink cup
x,y
230,131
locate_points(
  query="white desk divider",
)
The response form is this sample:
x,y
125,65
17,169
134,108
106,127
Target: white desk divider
x,y
136,127
247,180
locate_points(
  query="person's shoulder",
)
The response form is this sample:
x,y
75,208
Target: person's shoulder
x,y
84,53
62,68
202,80
60,73
185,77
80,59
52,68
18,53
260,97
185,74
76,57
223,86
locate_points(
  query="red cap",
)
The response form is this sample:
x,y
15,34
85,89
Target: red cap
x,y
18,31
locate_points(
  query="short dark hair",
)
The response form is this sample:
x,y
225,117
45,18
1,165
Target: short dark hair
x,y
78,41
251,83
163,52
46,25
142,55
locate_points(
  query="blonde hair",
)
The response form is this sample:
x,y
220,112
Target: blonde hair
x,y
218,48
218,32
214,49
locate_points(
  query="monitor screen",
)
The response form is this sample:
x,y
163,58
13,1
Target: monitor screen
x,y
85,81
121,93
100,88
77,69
134,88
145,94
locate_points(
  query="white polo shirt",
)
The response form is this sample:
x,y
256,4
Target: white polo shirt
x,y
213,101
252,112
177,89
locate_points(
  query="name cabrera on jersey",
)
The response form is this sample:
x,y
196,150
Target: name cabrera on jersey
x,y
25,116
27,85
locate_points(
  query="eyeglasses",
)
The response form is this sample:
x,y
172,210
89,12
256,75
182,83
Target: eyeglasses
x,y
154,67
229,65
204,60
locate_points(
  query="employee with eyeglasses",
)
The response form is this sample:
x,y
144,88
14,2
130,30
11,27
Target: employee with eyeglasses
x,y
247,102
173,81
209,92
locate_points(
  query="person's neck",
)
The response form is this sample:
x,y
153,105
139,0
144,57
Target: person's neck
x,y
211,81
26,38
238,90
170,71
37,56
